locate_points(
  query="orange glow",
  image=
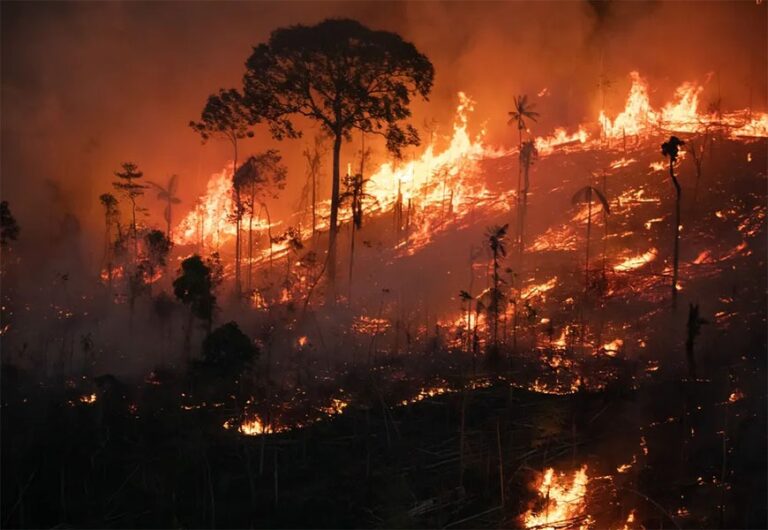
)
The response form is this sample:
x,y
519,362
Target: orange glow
x,y
88,399
564,500
636,262
613,347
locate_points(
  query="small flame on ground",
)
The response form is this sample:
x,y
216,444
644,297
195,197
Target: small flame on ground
x,y
564,502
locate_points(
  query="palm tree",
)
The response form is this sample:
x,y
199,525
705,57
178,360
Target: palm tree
x,y
168,194
585,195
496,236
523,111
671,149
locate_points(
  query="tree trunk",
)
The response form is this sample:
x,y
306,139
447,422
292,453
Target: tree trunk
x,y
589,231
676,255
238,221
334,218
250,243
269,232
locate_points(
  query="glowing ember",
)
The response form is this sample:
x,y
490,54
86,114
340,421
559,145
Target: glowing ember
x,y
337,406
563,502
636,262
538,289
736,395
88,399
613,347
253,426
370,326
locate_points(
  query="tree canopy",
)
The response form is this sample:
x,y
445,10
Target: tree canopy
x,y
341,74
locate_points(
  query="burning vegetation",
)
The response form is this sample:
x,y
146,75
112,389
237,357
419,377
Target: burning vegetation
x,y
563,329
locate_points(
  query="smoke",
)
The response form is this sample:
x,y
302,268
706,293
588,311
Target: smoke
x,y
87,86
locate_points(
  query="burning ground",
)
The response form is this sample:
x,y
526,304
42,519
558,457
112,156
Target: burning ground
x,y
440,381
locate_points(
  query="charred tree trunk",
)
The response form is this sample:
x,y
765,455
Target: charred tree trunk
x,y
332,231
589,233
676,254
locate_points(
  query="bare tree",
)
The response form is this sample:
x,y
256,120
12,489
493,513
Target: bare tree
x,y
225,116
132,190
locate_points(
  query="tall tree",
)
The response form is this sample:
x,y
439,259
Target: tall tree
x,y
259,179
129,186
344,76
587,195
111,216
314,156
528,154
523,112
224,116
496,236
167,194
671,149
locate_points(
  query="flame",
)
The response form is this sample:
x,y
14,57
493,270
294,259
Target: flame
x,y
756,127
683,114
613,347
88,399
302,341
365,325
538,289
564,501
559,138
637,113
635,262
117,273
254,426
336,406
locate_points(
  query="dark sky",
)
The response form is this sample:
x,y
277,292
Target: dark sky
x,y
86,86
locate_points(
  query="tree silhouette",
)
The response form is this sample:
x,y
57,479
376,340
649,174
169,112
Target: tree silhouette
x,y
354,192
496,299
260,178
523,111
314,156
167,193
225,116
227,350
194,288
157,246
9,228
528,154
586,195
344,76
128,186
671,149
466,298
111,216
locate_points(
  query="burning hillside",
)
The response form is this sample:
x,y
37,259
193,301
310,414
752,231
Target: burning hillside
x,y
540,306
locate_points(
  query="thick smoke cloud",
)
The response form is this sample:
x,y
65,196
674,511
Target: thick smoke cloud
x,y
86,86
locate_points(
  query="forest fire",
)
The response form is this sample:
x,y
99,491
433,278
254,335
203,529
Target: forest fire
x,y
403,271
563,501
